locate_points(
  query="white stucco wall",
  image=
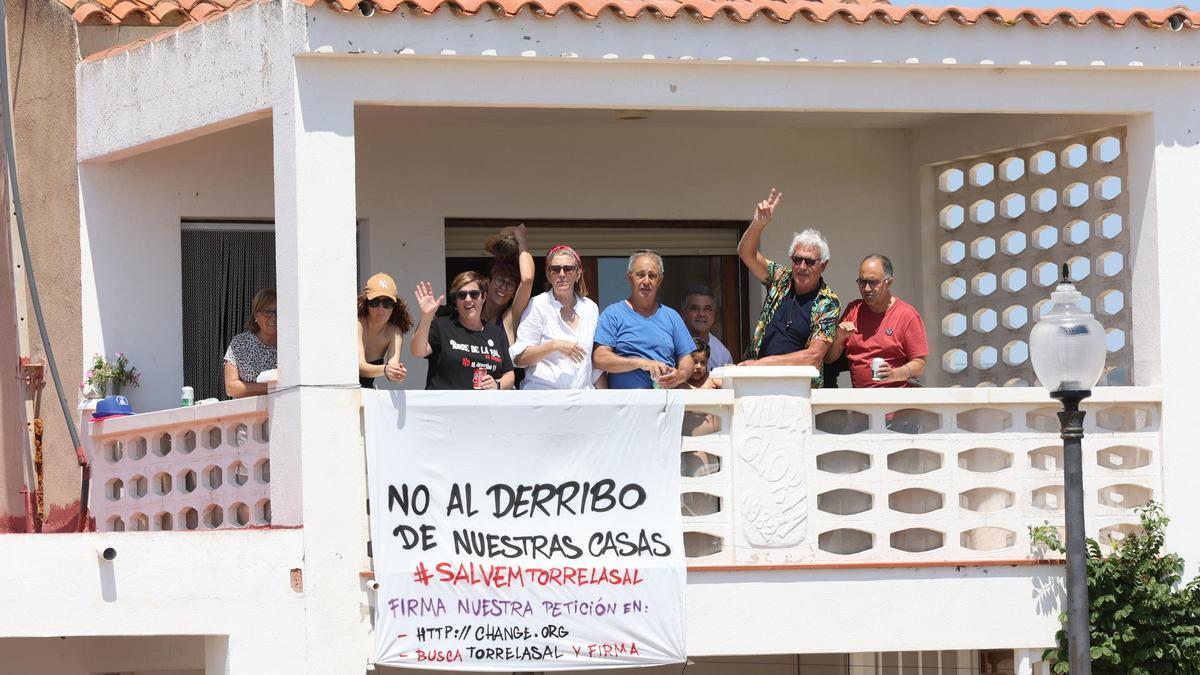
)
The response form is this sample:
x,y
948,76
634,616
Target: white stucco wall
x,y
131,211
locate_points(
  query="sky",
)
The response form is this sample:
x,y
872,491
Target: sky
x,y
1073,4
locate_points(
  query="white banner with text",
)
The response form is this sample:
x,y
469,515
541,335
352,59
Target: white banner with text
x,y
526,531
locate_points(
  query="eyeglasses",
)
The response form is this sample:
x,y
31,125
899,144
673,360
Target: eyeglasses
x,y
501,282
386,303
561,269
269,313
463,295
870,283
798,260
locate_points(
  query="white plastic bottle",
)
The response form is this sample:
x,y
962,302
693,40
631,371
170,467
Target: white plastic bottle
x,y
188,397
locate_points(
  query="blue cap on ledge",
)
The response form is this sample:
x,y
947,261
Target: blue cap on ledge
x,y
112,406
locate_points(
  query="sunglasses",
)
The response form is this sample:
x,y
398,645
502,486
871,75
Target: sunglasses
x,y
463,295
798,260
386,303
501,282
870,283
269,313
561,269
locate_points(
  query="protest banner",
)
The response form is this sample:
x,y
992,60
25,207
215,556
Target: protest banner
x,y
526,530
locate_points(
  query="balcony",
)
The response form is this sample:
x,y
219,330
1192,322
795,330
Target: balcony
x,y
772,474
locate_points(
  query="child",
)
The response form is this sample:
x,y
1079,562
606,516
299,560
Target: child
x,y
699,378
698,423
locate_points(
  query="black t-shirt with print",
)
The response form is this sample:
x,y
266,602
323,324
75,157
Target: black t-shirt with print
x,y
457,352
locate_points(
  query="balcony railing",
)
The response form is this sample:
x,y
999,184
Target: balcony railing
x,y
771,473
903,476
201,467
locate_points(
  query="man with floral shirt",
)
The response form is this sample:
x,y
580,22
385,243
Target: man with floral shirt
x,y
800,312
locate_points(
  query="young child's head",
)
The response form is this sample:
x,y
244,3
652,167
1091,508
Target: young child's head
x,y
699,362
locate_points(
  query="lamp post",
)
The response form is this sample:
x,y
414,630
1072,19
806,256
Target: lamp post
x,y
1067,348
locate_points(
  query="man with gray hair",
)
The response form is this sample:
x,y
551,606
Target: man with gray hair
x,y
638,342
699,313
800,312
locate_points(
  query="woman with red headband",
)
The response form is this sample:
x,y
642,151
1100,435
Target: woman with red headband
x,y
554,336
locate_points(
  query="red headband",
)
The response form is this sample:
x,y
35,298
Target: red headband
x,y
563,248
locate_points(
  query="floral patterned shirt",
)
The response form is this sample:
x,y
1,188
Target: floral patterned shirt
x,y
825,312
250,356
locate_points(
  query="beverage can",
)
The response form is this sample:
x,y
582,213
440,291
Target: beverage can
x,y
187,397
477,379
876,364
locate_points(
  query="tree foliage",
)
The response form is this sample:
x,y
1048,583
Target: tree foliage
x,y
1144,620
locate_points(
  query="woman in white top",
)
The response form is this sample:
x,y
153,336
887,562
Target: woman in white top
x,y
554,336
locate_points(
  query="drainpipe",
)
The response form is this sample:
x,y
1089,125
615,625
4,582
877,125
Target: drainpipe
x,y
14,186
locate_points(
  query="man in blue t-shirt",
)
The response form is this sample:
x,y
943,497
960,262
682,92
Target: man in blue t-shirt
x,y
639,342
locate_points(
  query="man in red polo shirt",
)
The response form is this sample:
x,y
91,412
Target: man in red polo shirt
x,y
880,326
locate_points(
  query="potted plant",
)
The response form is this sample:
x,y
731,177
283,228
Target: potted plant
x,y
106,378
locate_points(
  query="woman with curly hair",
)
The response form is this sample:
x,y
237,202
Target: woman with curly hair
x,y
510,284
383,320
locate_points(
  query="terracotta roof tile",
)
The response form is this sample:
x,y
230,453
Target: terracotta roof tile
x,y
153,12
788,10
159,11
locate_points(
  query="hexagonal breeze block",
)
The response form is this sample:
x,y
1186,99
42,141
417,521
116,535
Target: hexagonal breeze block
x,y
1109,225
1013,242
981,174
1016,352
1108,188
950,180
1043,200
1012,206
954,324
983,211
1075,195
1073,156
1106,149
1012,169
983,248
1013,280
1042,163
951,217
954,288
984,320
1015,317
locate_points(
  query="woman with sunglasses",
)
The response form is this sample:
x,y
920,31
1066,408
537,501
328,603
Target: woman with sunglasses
x,y
253,351
554,337
383,320
511,281
463,352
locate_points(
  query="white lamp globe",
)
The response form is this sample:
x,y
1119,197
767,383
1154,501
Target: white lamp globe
x,y
1067,346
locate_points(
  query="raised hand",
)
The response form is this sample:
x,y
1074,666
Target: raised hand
x,y
519,234
765,210
425,299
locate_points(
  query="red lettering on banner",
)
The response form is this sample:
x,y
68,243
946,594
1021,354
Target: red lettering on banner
x,y
610,650
439,655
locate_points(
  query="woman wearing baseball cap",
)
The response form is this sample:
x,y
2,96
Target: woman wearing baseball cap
x,y
383,320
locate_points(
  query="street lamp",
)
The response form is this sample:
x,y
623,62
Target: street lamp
x,y
1067,348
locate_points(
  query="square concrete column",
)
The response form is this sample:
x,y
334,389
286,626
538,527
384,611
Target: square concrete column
x,y
1167,243
318,468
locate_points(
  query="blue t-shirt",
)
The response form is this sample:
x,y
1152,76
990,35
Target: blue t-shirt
x,y
662,337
